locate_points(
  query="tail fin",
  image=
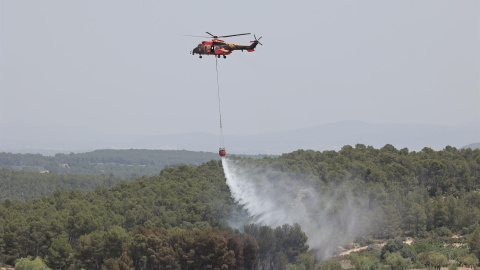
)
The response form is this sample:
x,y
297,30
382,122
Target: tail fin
x,y
252,46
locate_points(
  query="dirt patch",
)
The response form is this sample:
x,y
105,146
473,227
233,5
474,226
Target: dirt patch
x,y
455,245
374,246
353,250
408,241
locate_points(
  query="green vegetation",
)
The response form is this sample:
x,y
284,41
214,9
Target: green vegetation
x,y
26,264
85,171
120,163
178,219
25,186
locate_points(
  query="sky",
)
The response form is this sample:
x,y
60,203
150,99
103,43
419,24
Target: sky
x,y
124,66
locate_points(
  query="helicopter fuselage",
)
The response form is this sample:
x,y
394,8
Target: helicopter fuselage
x,y
219,47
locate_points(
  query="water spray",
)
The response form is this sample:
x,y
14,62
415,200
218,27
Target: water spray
x,y
273,198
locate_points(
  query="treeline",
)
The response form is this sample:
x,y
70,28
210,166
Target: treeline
x,y
120,163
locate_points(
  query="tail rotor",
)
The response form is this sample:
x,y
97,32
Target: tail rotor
x,y
257,39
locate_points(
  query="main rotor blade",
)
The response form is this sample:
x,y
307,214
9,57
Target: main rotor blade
x,y
235,35
210,34
196,36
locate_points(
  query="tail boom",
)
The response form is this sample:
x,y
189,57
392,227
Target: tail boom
x,y
249,48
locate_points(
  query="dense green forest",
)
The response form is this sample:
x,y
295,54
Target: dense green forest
x,y
179,219
412,193
85,171
176,219
25,186
121,163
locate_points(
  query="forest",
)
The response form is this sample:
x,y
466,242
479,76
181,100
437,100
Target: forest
x,y
17,185
181,218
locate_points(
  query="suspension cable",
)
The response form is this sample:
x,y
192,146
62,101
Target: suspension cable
x,y
222,140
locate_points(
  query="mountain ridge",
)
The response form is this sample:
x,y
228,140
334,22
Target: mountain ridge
x,y
329,136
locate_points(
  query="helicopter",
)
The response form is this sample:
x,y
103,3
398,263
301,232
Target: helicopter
x,y
219,47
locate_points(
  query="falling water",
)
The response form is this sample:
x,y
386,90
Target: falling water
x,y
272,198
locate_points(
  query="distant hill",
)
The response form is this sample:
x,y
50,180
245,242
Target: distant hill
x,y
333,136
473,146
120,163
324,137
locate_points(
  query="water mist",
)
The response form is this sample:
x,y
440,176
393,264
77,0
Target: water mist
x,y
328,216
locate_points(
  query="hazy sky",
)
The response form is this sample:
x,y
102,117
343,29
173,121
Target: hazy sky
x,y
124,66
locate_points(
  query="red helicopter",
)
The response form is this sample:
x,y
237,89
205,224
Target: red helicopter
x,y
219,47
